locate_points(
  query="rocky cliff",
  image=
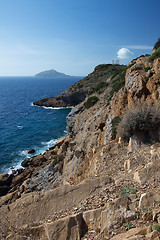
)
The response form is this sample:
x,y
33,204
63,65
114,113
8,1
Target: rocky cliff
x,y
92,184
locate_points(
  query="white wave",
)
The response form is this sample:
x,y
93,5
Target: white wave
x,y
49,143
23,153
20,127
17,166
56,108
32,105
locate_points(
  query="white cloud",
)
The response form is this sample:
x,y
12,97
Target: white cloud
x,y
143,47
124,53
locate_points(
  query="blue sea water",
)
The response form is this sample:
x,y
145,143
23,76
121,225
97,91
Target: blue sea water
x,y
24,126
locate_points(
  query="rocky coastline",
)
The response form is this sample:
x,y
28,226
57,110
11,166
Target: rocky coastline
x,y
91,184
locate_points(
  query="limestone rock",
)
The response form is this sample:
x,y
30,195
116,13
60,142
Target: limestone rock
x,y
72,227
93,218
34,161
148,199
71,120
153,235
116,213
134,233
149,172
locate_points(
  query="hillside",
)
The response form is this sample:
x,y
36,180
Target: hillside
x,y
102,181
104,76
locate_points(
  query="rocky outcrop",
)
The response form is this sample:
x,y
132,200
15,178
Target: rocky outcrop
x,y
5,182
66,99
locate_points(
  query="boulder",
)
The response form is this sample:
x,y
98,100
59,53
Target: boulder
x,y
148,199
3,190
34,161
5,182
153,235
72,227
117,212
134,233
93,218
26,162
150,172
35,232
5,179
31,151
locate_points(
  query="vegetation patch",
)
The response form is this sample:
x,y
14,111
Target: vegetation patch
x,y
55,161
118,80
128,225
90,102
114,123
126,191
156,227
155,55
116,87
100,86
147,68
142,120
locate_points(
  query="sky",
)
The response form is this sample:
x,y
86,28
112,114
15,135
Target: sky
x,y
73,36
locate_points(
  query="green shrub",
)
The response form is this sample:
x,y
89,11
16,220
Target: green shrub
x,y
100,86
116,87
90,102
142,120
147,68
128,225
155,55
114,123
55,161
156,226
126,191
118,80
157,44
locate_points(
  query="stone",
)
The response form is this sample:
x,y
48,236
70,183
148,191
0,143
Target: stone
x,y
72,227
71,119
156,215
148,216
5,182
35,233
36,161
60,142
148,199
127,165
116,214
93,218
3,190
31,151
149,172
134,232
153,235
5,179
26,162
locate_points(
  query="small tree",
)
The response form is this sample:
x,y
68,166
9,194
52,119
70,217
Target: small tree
x,y
142,121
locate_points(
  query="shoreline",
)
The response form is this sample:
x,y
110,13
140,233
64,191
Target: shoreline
x,y
38,150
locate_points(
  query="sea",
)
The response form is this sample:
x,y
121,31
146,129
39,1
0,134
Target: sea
x,y
24,126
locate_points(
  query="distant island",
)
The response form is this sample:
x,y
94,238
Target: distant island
x,y
52,73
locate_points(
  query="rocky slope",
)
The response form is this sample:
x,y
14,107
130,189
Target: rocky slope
x,y
91,184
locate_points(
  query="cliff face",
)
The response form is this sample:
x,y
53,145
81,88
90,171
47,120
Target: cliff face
x,y
91,185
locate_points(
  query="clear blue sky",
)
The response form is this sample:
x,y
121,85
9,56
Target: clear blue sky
x,y
73,36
